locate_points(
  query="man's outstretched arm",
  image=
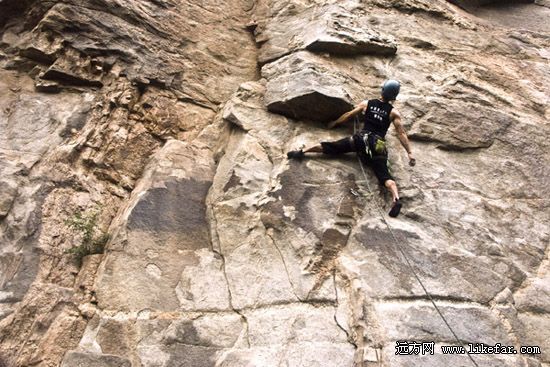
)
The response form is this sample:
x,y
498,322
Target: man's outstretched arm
x,y
361,106
402,135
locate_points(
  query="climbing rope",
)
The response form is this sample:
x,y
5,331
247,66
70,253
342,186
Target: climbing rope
x,y
397,245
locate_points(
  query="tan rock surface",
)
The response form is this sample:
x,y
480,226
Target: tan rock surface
x,y
170,119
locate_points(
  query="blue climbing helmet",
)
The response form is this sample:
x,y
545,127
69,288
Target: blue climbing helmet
x,y
390,89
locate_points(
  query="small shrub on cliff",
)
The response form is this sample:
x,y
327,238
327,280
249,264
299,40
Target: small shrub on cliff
x,y
93,240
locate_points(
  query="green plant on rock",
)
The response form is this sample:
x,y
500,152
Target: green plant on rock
x,y
93,240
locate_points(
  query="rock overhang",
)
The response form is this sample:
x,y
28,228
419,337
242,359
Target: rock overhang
x,y
301,86
333,29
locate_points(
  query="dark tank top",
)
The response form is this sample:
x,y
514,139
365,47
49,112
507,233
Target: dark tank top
x,y
377,117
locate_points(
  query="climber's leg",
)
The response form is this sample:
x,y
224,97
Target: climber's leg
x,y
341,146
396,207
382,172
392,188
315,149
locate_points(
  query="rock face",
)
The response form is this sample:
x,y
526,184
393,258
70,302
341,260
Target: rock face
x,y
167,122
337,29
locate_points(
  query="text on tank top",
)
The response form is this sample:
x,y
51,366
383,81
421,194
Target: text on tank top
x,y
377,117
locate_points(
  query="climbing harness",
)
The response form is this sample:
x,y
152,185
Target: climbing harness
x,y
396,244
377,142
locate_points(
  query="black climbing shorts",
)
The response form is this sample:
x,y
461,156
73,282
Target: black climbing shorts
x,y
378,161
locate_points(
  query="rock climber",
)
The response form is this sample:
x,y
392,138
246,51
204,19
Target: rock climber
x,y
370,143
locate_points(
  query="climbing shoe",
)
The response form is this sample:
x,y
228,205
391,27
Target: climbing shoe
x,y
395,209
295,154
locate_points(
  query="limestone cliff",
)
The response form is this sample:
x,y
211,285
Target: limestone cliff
x,y
167,122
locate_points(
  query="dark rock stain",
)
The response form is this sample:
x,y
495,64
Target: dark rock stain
x,y
381,242
177,211
185,334
233,181
178,207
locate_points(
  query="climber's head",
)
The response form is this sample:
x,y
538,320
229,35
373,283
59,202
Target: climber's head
x,y
390,90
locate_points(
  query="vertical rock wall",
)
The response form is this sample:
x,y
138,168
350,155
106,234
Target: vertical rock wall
x,y
171,119
90,91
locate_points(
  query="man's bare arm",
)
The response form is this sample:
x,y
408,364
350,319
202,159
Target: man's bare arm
x,y
361,106
402,134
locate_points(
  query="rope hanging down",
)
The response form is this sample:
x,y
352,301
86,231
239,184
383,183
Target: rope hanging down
x,y
400,249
